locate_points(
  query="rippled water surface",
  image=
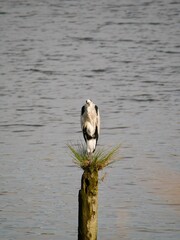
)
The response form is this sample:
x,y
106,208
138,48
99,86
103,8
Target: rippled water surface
x,y
125,55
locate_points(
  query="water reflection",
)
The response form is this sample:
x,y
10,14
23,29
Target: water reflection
x,y
166,184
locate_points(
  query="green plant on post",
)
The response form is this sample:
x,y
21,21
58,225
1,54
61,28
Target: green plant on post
x,y
88,194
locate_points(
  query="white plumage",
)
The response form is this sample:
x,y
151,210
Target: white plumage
x,y
90,124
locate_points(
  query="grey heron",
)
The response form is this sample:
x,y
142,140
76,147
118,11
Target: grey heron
x,y
90,125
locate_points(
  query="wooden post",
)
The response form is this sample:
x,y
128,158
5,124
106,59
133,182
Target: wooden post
x,y
88,194
88,205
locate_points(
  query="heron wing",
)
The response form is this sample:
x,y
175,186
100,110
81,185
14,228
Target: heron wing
x,y
97,110
98,120
82,110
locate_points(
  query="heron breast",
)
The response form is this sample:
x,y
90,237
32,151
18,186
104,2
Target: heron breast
x,y
89,128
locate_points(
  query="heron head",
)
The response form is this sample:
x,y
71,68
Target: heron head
x,y
88,102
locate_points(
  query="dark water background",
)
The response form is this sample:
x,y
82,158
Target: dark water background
x,y
125,55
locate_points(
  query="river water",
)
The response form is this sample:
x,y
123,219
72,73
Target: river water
x,y
125,56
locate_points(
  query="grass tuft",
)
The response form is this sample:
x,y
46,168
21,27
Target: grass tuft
x,y
100,159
